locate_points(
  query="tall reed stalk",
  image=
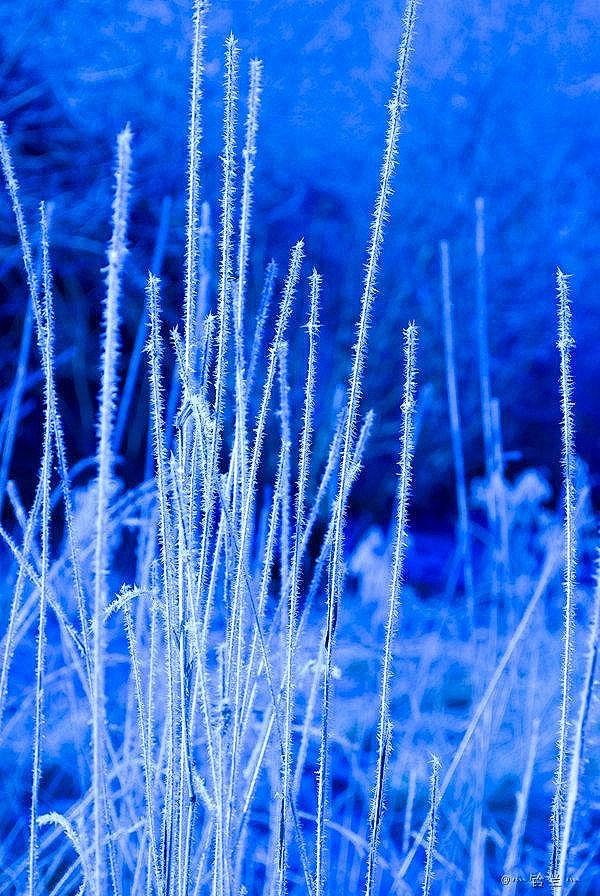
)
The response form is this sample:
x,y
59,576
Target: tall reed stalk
x,y
294,578
105,460
45,336
193,192
565,346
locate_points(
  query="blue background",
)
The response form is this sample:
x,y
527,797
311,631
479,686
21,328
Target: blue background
x,y
503,102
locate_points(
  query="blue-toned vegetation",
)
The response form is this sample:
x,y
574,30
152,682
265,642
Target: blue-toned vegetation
x,y
225,668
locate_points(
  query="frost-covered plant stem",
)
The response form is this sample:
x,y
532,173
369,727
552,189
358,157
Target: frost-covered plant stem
x,y
431,824
212,452
185,792
24,570
319,566
32,283
285,537
249,155
154,352
48,366
13,191
265,579
193,194
384,731
396,107
200,691
240,584
44,337
580,725
116,256
148,768
565,345
294,580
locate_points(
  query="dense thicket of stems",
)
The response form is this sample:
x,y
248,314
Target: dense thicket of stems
x,y
201,773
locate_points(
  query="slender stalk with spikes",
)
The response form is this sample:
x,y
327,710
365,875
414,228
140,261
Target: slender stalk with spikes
x,y
431,824
249,155
565,346
384,731
239,585
154,351
55,417
284,418
29,532
193,194
322,559
580,725
44,337
212,459
294,581
33,287
148,766
116,256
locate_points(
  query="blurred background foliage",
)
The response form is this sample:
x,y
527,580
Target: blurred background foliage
x,y
503,103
